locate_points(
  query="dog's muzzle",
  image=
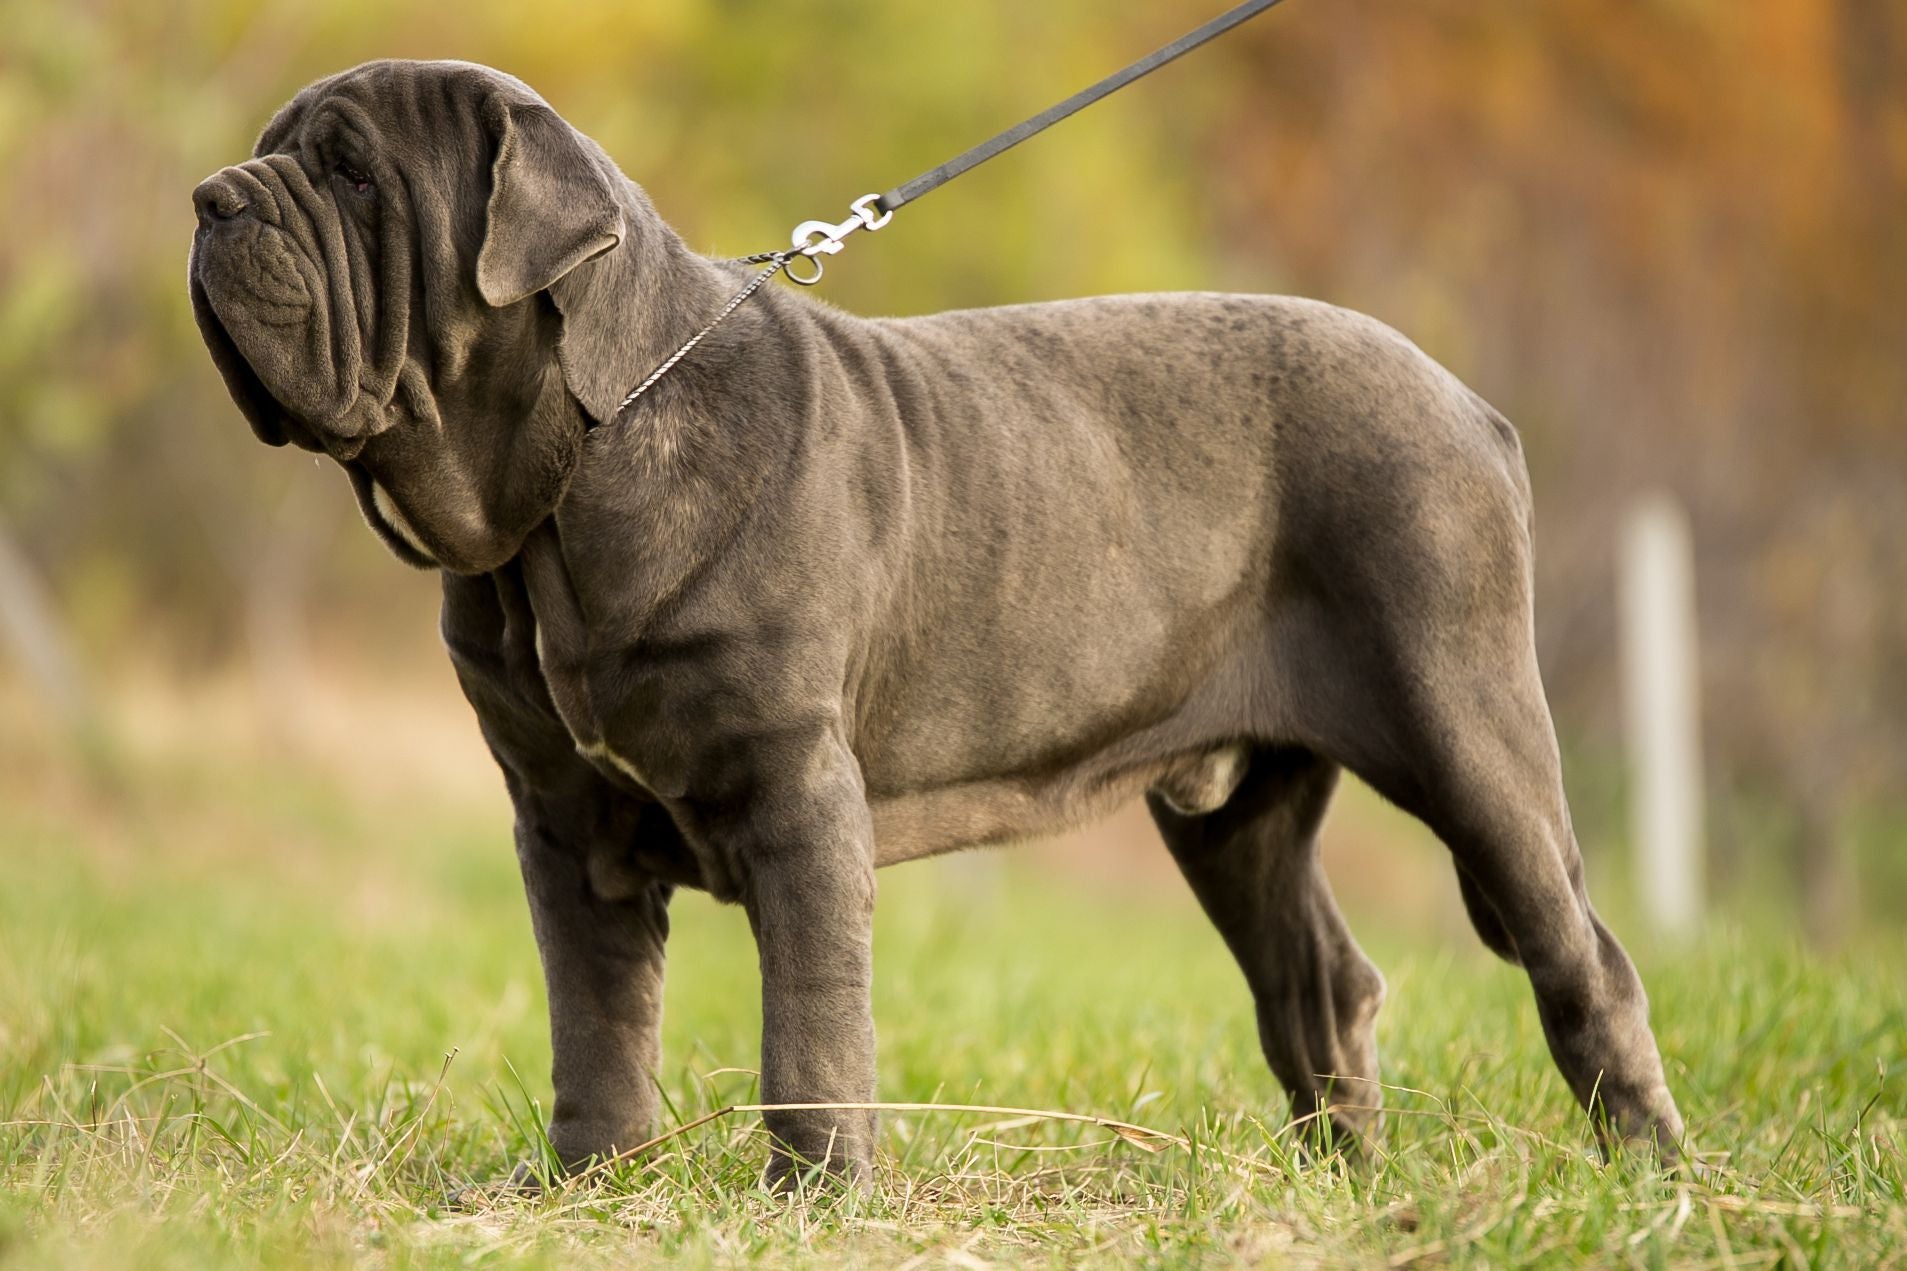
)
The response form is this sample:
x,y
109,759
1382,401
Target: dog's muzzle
x,y
271,291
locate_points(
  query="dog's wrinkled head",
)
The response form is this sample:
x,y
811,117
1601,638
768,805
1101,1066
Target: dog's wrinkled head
x,y
372,285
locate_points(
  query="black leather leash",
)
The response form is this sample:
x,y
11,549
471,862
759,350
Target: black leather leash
x,y
815,239
934,178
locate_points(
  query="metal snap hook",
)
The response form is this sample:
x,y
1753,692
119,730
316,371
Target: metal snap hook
x,y
830,240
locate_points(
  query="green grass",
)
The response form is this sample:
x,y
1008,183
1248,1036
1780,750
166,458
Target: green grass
x,y
227,998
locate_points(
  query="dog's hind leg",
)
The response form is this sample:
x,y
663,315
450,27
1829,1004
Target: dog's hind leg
x,y
1420,676
1253,864
1484,918
1487,779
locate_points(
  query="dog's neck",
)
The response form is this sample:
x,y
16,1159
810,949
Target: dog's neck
x,y
660,488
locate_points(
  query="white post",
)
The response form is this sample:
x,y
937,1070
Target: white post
x,y
1661,699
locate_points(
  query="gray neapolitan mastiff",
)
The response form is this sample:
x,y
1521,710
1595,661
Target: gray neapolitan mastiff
x,y
842,592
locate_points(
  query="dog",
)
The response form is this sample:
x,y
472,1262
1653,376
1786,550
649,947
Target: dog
x,y
842,592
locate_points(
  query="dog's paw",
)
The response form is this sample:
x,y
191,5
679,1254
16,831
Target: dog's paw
x,y
522,1183
832,1176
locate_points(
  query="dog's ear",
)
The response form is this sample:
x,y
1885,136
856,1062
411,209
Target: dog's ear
x,y
551,204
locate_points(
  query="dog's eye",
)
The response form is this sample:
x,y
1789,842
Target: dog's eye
x,y
353,178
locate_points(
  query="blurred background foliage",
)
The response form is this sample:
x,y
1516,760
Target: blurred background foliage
x,y
1667,237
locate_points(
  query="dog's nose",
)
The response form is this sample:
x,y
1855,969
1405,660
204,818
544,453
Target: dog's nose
x,y
217,199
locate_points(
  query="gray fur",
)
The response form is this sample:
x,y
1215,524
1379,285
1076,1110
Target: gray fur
x,y
843,592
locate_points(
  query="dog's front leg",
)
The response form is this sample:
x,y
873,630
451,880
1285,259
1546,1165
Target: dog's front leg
x,y
600,920
600,933
803,852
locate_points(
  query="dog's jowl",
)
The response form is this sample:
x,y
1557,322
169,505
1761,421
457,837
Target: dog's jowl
x,y
841,592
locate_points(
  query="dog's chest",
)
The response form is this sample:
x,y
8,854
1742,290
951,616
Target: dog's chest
x,y
560,653
563,670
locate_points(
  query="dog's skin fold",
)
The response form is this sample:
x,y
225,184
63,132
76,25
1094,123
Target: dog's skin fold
x,y
842,592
